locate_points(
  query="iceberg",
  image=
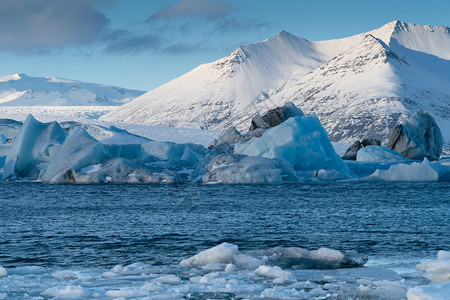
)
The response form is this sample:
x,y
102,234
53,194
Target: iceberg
x,y
379,153
417,171
418,138
35,143
248,170
300,141
79,151
118,163
297,150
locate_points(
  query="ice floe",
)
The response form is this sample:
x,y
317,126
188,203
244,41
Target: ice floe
x,y
438,272
226,272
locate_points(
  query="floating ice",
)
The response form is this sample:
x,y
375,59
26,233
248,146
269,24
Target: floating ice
x,y
3,271
27,270
274,277
80,150
297,150
272,272
379,153
323,258
253,170
68,291
301,141
36,143
280,257
417,171
438,271
439,291
222,253
64,275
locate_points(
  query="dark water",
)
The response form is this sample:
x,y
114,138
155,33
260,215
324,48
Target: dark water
x,y
105,225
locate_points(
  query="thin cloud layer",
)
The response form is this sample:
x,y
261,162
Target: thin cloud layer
x,y
123,42
46,27
208,9
39,25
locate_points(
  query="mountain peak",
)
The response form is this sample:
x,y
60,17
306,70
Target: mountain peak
x,y
283,33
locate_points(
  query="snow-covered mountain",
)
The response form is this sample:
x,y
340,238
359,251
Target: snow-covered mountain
x,y
23,90
358,86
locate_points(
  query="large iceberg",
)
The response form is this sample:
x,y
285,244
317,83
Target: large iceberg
x,y
83,159
417,138
35,143
297,150
300,141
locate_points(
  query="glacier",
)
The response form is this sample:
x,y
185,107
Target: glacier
x,y
23,90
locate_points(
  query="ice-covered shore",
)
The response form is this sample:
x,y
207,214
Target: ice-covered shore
x,y
225,272
297,150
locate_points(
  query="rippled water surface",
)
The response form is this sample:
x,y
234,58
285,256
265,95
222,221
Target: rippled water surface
x,y
112,241
66,225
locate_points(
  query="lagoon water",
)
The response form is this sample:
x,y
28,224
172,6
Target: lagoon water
x,y
87,230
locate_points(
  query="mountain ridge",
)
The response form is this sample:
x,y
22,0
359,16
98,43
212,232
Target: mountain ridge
x,y
388,69
23,90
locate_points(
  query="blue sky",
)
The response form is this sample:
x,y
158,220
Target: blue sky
x,y
142,44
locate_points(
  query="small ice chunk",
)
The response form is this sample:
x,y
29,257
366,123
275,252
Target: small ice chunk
x,y
3,271
109,275
168,279
124,293
27,270
327,254
422,171
272,272
439,291
222,253
437,271
68,291
443,255
247,262
280,292
214,267
64,275
230,268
